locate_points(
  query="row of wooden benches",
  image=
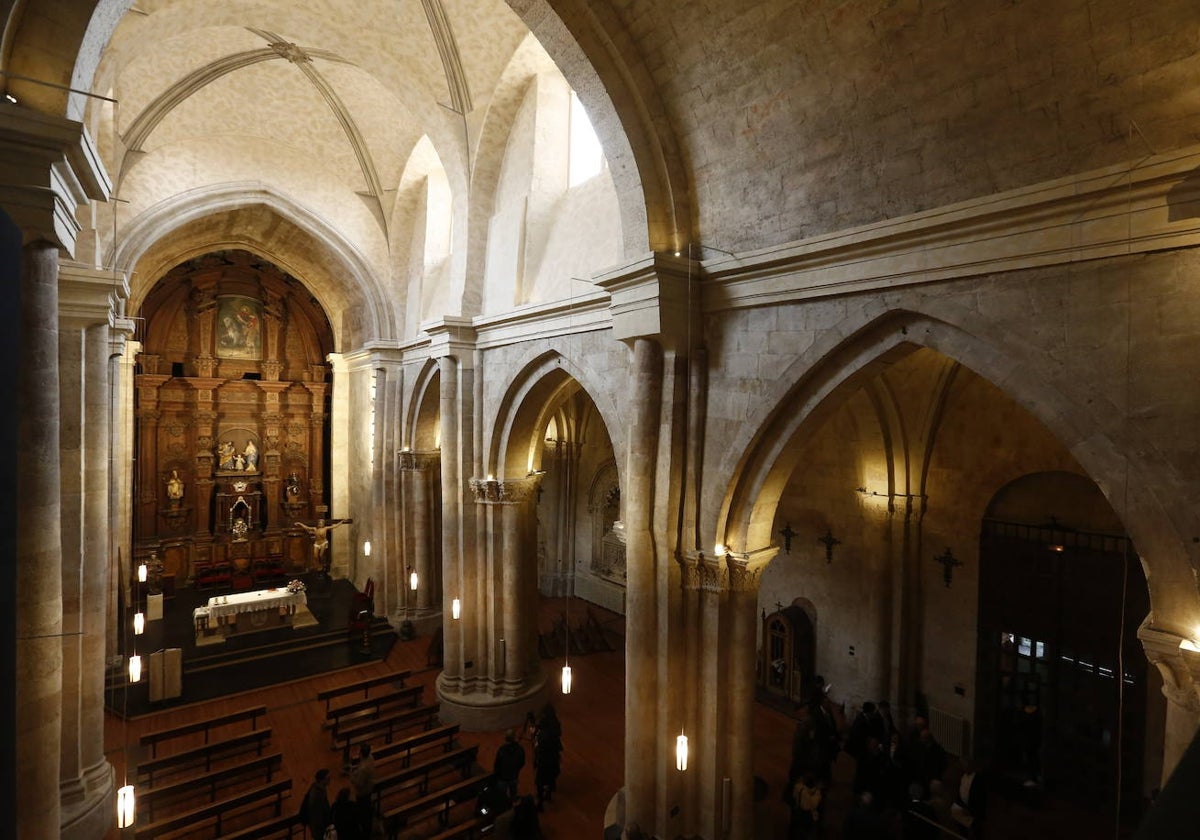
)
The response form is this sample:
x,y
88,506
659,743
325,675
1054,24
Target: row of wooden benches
x,y
356,722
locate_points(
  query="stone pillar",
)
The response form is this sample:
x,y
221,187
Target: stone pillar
x,y
690,628
39,553
120,495
518,562
452,556
707,744
1178,661
641,622
419,470
87,300
745,573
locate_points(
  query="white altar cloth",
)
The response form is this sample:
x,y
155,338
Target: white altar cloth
x,y
223,606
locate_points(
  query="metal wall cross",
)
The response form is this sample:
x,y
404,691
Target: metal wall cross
x,y
830,541
948,561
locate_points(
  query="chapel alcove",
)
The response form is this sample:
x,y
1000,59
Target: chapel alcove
x,y
787,659
231,404
1062,693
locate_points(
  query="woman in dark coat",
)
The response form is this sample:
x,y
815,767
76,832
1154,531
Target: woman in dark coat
x,y
345,817
547,751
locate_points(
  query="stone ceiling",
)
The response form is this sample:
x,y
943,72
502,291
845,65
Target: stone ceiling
x,y
319,104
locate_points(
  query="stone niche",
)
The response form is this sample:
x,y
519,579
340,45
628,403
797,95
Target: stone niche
x,y
231,400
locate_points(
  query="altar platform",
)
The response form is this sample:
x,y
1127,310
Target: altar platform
x,y
316,640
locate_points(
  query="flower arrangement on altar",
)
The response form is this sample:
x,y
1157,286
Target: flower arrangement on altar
x,y
296,586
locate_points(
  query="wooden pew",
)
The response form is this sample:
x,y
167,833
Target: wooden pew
x,y
239,743
438,803
217,811
463,759
364,686
405,746
153,739
209,783
372,707
282,826
464,830
388,726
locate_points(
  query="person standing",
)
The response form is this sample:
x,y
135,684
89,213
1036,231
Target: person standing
x,y
345,817
318,814
510,758
547,755
363,779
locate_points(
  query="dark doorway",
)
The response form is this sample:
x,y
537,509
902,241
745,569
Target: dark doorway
x,y
1061,700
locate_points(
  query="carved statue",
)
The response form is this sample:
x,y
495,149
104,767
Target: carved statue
x,y
251,455
175,487
225,455
320,535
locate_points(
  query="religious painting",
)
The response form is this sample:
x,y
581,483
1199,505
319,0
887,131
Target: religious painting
x,y
239,327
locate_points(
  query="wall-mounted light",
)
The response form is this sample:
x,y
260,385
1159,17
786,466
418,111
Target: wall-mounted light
x,y
719,549
135,668
491,477
142,573
566,679
139,623
412,580
456,609
681,752
366,548
126,807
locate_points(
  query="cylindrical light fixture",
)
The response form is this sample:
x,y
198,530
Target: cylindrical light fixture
x,y
412,581
366,548
126,807
681,752
142,570
456,609
135,668
566,679
139,623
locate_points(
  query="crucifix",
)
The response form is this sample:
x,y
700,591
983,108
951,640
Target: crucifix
x,y
787,533
830,541
948,561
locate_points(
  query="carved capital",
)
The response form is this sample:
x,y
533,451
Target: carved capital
x,y
510,491
1178,660
689,569
713,577
420,461
746,567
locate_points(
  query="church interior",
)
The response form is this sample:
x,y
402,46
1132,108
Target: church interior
x,y
788,355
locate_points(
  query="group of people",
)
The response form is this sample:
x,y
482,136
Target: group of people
x,y
350,816
544,734
897,782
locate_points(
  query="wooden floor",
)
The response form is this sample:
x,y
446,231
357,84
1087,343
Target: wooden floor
x,y
593,744
592,717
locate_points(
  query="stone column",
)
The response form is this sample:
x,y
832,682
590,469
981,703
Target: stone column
x,y
690,628
707,744
452,559
1179,664
420,473
518,563
641,639
745,573
39,553
120,495
87,299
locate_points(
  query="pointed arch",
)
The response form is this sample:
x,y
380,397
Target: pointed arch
x,y
543,383
352,291
759,462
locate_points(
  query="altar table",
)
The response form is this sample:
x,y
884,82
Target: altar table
x,y
244,612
